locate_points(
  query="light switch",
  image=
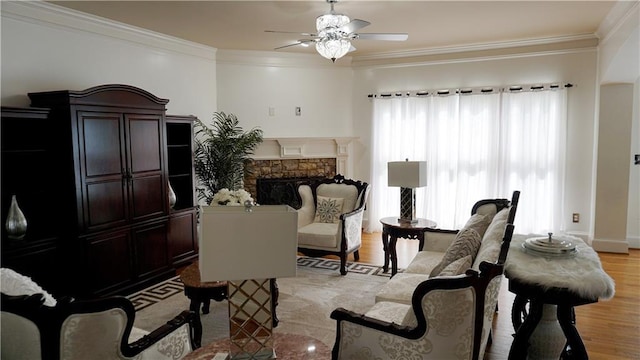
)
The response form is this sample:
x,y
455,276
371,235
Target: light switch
x,y
272,111
298,111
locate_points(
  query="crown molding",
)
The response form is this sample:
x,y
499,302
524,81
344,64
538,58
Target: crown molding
x,y
482,52
476,48
278,59
622,14
50,15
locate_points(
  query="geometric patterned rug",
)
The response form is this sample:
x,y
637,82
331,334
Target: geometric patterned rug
x,y
173,286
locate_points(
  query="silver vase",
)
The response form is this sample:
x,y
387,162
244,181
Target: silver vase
x,y
172,196
16,223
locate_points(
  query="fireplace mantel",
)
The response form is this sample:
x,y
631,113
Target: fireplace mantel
x,y
307,148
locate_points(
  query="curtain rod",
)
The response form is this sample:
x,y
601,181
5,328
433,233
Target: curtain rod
x,y
468,91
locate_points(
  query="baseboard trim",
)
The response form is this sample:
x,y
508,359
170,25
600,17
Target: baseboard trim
x,y
612,246
634,242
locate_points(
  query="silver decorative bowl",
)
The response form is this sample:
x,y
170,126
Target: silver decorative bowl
x,y
549,246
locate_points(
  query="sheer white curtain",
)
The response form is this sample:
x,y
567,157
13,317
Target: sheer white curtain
x,y
533,152
476,146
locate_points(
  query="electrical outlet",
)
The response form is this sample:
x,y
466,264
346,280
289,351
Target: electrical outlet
x,y
576,217
298,111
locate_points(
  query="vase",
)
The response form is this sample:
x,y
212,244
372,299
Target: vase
x,y
172,196
16,224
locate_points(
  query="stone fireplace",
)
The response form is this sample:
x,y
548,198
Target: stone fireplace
x,y
280,165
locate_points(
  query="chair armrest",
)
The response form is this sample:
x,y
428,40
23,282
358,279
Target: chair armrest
x,y
352,213
185,317
352,228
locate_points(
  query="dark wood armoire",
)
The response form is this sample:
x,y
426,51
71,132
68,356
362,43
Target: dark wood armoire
x,y
92,172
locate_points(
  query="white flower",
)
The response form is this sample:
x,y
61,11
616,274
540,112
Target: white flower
x,y
231,198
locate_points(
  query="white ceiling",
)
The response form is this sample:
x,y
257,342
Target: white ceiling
x,y
240,25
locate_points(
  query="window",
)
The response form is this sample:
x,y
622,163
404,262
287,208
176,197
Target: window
x,y
477,145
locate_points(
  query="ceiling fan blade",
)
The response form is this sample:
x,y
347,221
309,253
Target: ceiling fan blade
x,y
304,42
388,37
286,46
354,25
290,32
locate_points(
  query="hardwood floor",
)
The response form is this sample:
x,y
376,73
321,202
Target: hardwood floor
x,y
610,329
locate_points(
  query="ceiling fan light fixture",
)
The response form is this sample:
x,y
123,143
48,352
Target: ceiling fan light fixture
x,y
333,48
331,21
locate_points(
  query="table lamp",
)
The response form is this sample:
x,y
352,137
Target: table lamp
x,y
408,175
247,246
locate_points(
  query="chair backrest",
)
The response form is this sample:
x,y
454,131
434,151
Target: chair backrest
x,y
70,330
353,191
21,323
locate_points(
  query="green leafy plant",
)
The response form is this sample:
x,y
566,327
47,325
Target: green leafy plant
x,y
222,154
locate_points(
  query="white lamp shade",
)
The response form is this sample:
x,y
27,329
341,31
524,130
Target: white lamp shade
x,y
407,174
240,245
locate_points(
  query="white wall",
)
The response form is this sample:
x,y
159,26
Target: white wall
x,y
249,83
45,47
619,65
578,67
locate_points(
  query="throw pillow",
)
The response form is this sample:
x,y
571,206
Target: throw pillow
x,y
467,242
16,284
479,223
328,209
457,267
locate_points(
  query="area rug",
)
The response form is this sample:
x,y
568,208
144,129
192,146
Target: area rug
x,y
304,304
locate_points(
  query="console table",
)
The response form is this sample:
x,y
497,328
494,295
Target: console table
x,y
552,286
394,229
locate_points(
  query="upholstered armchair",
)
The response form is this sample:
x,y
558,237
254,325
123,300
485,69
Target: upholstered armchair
x,y
449,317
36,326
330,218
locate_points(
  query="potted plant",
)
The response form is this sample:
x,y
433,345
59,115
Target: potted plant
x,y
222,154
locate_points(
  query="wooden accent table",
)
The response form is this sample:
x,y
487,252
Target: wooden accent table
x,y
200,293
287,347
392,227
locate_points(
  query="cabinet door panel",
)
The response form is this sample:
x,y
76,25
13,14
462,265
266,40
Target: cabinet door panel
x,y
102,159
109,261
147,199
183,241
145,143
102,144
151,249
105,203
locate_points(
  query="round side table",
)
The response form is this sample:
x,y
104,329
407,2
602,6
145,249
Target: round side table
x,y
393,228
200,293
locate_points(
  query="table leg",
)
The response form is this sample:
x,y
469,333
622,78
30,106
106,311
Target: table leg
x,y
206,303
394,255
565,318
421,240
385,247
194,306
520,343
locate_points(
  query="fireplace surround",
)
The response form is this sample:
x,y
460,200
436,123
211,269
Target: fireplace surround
x,y
279,165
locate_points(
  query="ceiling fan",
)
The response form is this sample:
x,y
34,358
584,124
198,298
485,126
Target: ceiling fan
x,y
335,32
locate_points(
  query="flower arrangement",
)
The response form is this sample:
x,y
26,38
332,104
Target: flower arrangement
x,y
231,198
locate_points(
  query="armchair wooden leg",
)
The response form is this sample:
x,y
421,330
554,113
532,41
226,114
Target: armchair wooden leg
x,y
356,255
343,264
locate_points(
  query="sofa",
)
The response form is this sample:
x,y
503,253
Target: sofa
x,y
35,325
442,305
